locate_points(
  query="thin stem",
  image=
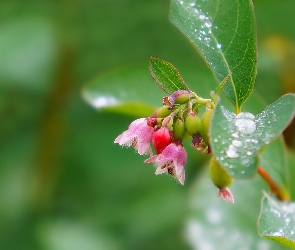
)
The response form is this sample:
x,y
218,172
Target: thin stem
x,y
273,186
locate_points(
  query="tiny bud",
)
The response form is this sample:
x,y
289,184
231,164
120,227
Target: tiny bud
x,y
193,123
206,121
161,139
226,194
218,174
178,128
198,143
162,112
179,97
166,101
152,122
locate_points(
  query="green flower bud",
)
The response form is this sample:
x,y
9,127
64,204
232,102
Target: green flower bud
x,y
179,97
219,176
206,121
162,112
179,128
193,123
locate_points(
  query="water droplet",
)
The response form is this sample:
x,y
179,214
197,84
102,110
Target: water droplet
x,y
202,17
254,141
277,234
218,46
245,115
245,123
215,140
245,161
235,135
242,171
249,153
237,143
208,25
231,152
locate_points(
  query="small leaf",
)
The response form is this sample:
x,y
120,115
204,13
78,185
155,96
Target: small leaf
x,y
225,34
166,76
277,221
236,139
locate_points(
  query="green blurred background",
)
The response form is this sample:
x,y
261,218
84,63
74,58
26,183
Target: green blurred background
x,y
63,183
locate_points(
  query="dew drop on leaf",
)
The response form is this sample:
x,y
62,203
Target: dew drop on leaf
x,y
231,152
237,143
245,123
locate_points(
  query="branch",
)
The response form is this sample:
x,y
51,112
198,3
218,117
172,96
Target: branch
x,y
273,186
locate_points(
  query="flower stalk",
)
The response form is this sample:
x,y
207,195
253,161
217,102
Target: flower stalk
x,y
274,188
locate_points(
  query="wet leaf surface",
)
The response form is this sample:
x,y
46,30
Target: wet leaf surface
x,y
225,35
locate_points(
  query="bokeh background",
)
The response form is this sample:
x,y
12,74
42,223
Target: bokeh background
x,y
64,185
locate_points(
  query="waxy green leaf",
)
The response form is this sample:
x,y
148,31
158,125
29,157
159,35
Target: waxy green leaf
x,y
277,221
224,33
237,139
166,76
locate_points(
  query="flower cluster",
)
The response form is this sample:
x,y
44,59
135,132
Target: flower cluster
x,y
166,129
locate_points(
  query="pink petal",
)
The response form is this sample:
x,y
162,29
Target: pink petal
x,y
118,139
151,159
173,157
181,177
176,153
138,135
226,194
160,170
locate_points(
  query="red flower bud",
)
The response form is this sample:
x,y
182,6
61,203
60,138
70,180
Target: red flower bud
x,y
161,139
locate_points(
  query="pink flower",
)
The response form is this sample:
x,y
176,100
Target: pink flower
x,y
171,161
138,135
161,139
226,194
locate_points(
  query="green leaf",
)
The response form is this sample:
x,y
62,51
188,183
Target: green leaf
x,y
224,33
277,221
128,90
166,76
236,139
216,224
